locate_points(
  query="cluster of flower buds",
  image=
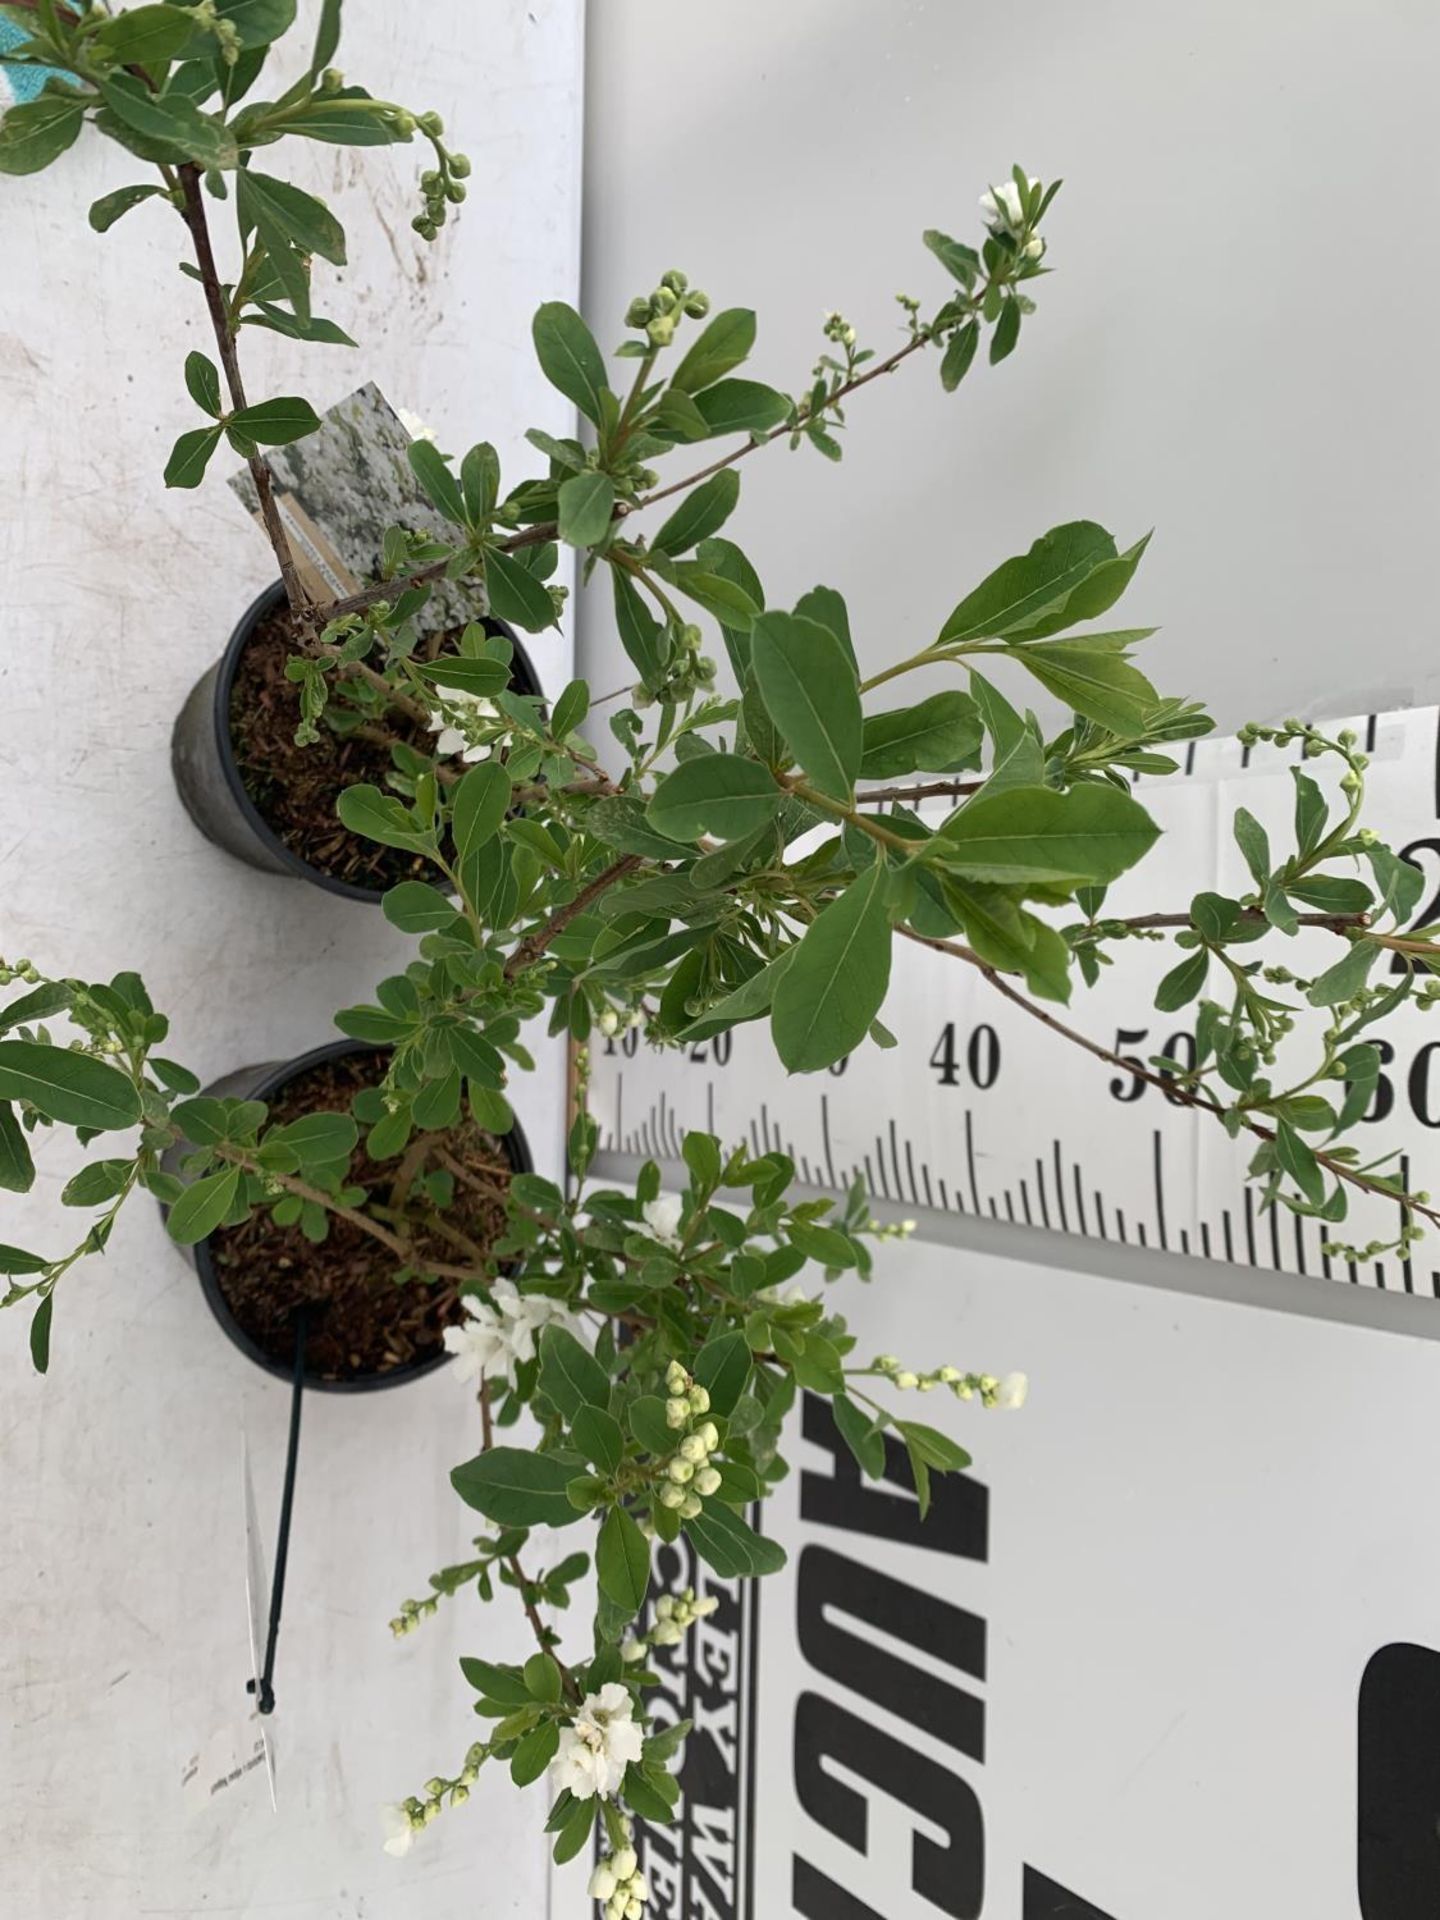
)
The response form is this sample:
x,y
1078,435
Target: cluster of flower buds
x,y
1007,1393
443,185
894,1230
12,970
659,313
403,1822
689,1477
675,1614
691,672
613,1020
411,1613
618,1884
839,329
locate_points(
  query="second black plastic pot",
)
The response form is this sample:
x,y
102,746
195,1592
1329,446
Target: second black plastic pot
x,y
207,775
263,1083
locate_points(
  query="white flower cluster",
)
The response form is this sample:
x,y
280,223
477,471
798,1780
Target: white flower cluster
x,y
1007,1394
466,724
1004,214
675,1614
662,1218
618,1884
598,1745
501,1332
689,1476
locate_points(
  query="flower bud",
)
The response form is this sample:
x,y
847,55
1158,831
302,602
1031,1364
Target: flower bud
x,y
697,305
694,1449
689,1507
331,80
455,191
638,311
663,301
699,1400
675,280
432,124
624,1862
459,1794
710,1434
906,1379
661,330
707,1481
677,1412
680,1471
460,165
672,1496
602,1881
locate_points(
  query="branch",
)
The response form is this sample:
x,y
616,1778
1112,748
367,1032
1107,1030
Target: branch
x,y
1186,1096
534,944
1336,922
193,213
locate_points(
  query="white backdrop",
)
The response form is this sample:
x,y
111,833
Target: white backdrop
x,y
121,1590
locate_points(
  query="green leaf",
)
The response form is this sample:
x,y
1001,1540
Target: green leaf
x,y
700,515
570,1376
836,982
720,347
202,376
1254,844
276,423
543,1680
190,456
17,1169
203,1205
936,736
731,1546
327,36
649,1425
277,320
599,1438
1340,982
317,1138
936,1449
570,709
1036,835
622,1561
725,600
14,1260
440,485
1007,332
741,406
1025,594
1184,982
722,1367
33,135
640,633
962,262
172,119
827,608
569,357
72,1088
506,1686
416,908
480,803
96,1183
534,1753
575,1831
1094,681
810,692
297,217
110,206
516,595
860,1433
40,1334
483,677
145,36
377,816
1300,1163
349,118
717,793
959,355
517,1488
586,504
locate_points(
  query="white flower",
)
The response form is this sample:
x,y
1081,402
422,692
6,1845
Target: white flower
x,y
1012,1392
479,1343
662,1217
602,1882
456,722
414,425
1002,209
599,1744
502,1331
399,1833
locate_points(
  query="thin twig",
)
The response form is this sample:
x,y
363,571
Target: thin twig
x,y
534,944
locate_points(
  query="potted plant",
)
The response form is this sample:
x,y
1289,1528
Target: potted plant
x,y
753,856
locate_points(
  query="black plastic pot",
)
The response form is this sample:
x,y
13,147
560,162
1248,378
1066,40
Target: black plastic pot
x,y
202,759
262,1083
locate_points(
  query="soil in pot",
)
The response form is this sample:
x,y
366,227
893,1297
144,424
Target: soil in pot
x,y
368,1326
294,788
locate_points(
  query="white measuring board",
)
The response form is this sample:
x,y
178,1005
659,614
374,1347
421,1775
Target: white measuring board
x,y
1170,1650
979,1110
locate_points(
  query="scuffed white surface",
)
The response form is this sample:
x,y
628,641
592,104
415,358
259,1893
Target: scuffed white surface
x,y
122,1584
